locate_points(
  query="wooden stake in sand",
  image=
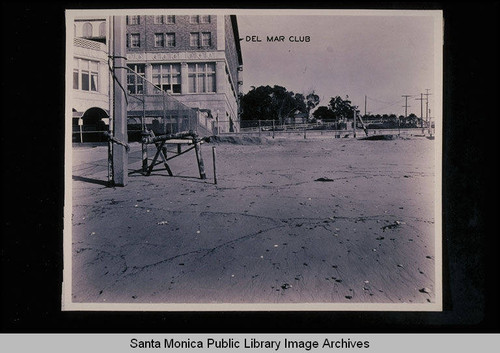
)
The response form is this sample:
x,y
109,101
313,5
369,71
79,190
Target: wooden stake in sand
x,y
144,150
199,158
214,153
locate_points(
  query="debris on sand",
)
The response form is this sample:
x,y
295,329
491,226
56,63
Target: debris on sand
x,y
392,225
237,140
424,290
324,179
162,223
286,286
379,137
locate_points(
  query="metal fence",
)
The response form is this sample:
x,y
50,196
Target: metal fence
x,y
276,125
335,128
149,107
266,125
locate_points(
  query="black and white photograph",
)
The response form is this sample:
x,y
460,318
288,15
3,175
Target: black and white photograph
x,y
250,160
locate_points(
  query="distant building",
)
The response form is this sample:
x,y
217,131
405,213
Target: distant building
x,y
297,118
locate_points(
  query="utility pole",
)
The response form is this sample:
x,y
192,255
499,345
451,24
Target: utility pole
x,y
406,104
421,99
109,43
406,111
365,104
120,155
427,94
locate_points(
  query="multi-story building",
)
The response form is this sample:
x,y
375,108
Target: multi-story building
x,y
196,58
90,80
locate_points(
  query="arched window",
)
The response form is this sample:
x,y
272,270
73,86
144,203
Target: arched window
x,y
102,29
87,30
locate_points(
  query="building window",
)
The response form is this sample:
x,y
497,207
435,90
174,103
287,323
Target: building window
x,y
85,75
170,19
135,40
167,77
159,40
194,19
205,19
76,74
201,77
102,29
133,20
170,40
194,39
87,30
206,39
158,20
135,82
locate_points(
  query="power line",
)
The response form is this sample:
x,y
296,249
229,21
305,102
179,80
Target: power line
x,y
378,101
387,106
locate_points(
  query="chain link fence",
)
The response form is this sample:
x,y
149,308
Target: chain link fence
x,y
152,108
149,107
336,128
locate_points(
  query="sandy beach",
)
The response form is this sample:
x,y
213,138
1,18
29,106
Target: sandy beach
x,y
291,220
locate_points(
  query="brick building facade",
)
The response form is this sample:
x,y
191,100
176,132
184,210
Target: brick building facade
x,y
196,58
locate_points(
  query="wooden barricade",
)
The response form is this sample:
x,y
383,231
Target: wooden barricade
x,y
190,139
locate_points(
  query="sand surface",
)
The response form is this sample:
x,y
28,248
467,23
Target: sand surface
x,y
290,221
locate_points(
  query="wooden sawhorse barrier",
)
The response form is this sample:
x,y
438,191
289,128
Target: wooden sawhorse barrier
x,y
190,139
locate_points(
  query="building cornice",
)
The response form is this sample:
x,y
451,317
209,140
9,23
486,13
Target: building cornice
x,y
185,55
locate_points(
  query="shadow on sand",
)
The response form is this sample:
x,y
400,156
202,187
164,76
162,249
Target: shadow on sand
x,y
91,181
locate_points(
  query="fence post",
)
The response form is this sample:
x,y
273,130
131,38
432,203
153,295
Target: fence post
x,y
164,114
145,150
259,128
213,159
120,156
199,158
273,128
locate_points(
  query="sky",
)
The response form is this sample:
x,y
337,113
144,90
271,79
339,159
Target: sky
x,y
382,56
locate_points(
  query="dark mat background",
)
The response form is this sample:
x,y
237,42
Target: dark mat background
x,y
33,186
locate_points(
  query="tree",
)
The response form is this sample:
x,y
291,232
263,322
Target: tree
x,y
342,108
312,101
323,113
257,104
271,103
